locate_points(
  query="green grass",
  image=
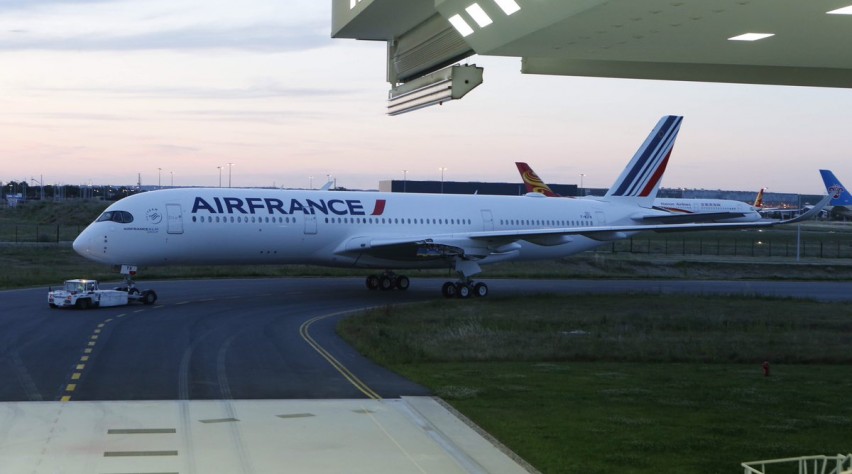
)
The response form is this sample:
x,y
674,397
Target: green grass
x,y
634,383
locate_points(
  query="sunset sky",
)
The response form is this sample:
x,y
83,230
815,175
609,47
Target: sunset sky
x,y
98,91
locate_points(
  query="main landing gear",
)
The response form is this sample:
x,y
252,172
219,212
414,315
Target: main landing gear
x,y
465,286
464,289
388,281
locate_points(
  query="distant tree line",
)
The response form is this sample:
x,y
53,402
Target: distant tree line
x,y
33,192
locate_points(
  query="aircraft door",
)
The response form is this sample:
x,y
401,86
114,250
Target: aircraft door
x,y
174,219
487,220
310,225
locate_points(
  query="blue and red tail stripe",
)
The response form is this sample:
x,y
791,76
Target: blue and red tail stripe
x,y
647,167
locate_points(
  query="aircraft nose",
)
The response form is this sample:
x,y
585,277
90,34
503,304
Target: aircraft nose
x,y
83,243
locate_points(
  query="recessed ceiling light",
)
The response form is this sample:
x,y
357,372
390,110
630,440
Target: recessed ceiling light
x,y
479,16
508,6
841,11
460,25
751,36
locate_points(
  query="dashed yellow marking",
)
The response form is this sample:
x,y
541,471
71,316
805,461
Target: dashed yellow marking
x,y
97,331
94,337
87,350
101,325
71,387
65,398
84,359
182,302
81,366
76,376
139,310
110,319
91,343
207,300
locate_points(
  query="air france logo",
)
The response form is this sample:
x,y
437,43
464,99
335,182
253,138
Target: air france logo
x,y
835,191
153,215
338,207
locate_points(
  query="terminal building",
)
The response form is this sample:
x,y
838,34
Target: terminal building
x,y
770,199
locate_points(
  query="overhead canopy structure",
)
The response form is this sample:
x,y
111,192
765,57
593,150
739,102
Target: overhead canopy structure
x,y
792,42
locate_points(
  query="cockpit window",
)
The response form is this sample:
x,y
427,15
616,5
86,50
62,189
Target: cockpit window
x,y
122,217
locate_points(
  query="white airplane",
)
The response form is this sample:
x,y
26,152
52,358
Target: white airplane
x,y
382,230
679,209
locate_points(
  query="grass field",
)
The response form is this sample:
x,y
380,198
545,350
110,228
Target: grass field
x,y
641,384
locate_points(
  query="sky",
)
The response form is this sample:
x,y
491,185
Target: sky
x,y
170,91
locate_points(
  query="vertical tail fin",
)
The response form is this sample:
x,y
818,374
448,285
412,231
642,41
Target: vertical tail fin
x,y
533,183
839,194
641,179
758,201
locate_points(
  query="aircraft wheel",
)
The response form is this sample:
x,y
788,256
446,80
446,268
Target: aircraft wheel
x,y
464,290
149,297
373,282
480,289
449,290
403,282
385,283
82,303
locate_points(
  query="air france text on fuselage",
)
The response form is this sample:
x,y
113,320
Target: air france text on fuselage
x,y
253,205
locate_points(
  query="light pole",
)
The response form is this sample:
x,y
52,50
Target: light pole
x,y
173,179
582,175
442,178
312,181
220,175
229,174
159,178
404,179
40,186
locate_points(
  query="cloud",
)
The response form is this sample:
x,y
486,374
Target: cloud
x,y
272,38
122,25
270,91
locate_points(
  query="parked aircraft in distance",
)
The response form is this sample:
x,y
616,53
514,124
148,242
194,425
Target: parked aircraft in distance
x,y
680,209
841,200
384,231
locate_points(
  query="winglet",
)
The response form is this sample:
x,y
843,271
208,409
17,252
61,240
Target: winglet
x,y
839,194
533,183
641,179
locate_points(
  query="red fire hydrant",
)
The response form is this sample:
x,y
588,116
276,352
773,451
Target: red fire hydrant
x,y
765,366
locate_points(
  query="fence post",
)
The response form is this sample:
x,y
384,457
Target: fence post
x,y
57,233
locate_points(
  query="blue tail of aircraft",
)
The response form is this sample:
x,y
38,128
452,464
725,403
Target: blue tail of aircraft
x,y
839,194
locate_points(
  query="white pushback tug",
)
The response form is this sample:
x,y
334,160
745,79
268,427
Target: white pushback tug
x,y
84,294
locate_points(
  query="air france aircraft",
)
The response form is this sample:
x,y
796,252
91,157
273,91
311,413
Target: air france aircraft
x,y
383,231
680,210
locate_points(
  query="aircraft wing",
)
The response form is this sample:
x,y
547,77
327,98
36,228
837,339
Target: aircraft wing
x,y
691,217
484,243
